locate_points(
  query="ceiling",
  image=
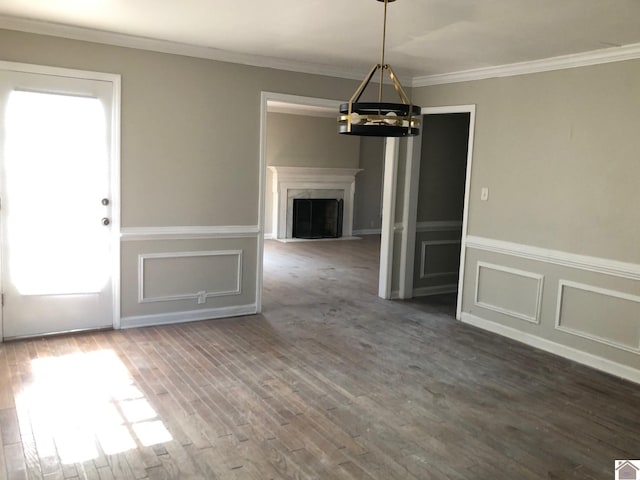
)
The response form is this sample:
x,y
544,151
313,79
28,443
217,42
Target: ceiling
x,y
425,37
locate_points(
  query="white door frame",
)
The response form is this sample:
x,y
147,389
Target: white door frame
x,y
389,183
411,188
115,81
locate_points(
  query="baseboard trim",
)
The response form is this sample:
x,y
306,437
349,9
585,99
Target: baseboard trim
x,y
368,231
187,316
584,358
268,236
435,290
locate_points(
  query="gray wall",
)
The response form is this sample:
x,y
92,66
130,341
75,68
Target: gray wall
x,y
368,197
304,141
559,154
190,150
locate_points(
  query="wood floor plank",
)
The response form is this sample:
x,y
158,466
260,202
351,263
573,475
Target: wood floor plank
x,y
330,382
14,459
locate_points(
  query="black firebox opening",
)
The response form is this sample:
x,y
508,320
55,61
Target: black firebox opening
x,y
317,218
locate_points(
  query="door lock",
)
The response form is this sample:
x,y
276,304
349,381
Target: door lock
x,y
105,221
105,201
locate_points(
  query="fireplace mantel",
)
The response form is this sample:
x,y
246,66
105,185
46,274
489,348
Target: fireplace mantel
x,y
311,182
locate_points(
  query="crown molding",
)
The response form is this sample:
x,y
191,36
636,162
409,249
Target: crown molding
x,y
595,57
176,48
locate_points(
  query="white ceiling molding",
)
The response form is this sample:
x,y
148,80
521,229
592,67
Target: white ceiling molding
x,y
164,46
595,57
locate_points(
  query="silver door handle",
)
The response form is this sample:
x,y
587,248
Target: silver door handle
x,y
105,221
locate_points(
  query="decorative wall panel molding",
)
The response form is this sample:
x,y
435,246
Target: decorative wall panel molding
x,y
537,281
424,267
232,286
614,321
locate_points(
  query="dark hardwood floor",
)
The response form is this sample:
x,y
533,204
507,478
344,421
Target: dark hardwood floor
x,y
330,382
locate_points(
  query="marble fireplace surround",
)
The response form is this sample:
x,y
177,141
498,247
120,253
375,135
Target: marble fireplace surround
x,y
311,182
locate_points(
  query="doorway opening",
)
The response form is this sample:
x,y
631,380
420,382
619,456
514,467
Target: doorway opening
x,y
308,187
437,180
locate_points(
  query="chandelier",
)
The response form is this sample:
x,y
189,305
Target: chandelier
x,y
380,119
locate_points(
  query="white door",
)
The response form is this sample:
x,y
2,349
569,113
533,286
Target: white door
x,y
55,210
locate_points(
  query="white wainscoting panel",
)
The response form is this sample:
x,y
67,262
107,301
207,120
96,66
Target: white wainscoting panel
x,y
517,284
160,279
425,271
605,316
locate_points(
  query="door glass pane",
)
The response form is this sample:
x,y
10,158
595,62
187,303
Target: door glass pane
x,y
55,178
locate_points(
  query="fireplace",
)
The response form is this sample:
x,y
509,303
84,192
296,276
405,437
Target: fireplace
x,y
312,183
317,217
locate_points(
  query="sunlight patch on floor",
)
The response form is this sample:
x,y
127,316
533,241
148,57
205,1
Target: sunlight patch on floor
x,y
85,404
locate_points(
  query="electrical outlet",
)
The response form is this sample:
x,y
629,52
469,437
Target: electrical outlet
x,y
202,297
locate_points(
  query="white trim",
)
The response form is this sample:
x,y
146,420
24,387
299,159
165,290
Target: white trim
x,y
606,266
598,290
367,231
130,234
434,290
116,203
465,212
593,361
392,147
423,258
595,57
409,215
62,72
505,311
438,226
187,296
262,185
174,48
188,316
268,236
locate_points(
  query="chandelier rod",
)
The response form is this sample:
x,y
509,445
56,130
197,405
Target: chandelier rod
x,y
384,41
